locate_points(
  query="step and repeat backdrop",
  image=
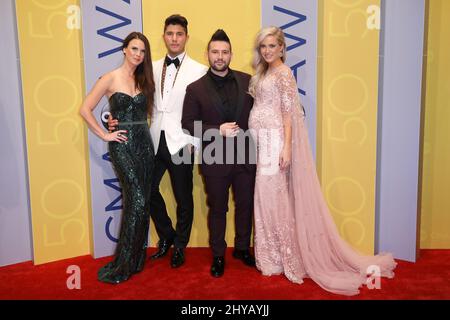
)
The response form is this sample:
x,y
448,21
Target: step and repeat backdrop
x,y
373,76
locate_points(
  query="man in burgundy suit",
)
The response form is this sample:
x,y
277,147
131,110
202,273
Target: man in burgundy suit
x,y
219,103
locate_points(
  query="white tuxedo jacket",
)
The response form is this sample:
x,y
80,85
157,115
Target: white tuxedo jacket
x,y
171,107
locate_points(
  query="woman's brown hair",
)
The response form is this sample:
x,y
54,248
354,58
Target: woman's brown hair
x,y
143,75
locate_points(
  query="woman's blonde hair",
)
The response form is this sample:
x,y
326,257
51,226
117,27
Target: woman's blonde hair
x,y
259,64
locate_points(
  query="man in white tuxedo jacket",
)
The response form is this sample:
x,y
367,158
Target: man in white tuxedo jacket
x,y
172,75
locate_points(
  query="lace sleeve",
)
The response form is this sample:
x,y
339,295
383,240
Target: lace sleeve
x,y
287,88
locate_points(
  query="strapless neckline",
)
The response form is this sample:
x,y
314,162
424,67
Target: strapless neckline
x,y
126,94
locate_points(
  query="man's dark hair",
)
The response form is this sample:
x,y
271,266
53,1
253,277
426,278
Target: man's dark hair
x,y
220,35
176,19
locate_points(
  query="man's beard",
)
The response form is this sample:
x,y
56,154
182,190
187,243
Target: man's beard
x,y
223,68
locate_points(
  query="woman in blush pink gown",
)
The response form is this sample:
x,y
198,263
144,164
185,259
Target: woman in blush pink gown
x,y
295,233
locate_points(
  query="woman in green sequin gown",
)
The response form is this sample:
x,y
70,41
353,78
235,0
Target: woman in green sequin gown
x,y
130,89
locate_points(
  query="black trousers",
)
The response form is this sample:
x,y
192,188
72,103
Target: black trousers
x,y
182,185
242,182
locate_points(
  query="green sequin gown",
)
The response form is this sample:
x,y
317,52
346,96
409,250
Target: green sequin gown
x,y
133,163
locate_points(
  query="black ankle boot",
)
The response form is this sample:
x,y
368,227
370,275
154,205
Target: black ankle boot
x,y
163,248
218,266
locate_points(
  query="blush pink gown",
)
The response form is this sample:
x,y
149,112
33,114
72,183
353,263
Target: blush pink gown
x,y
295,233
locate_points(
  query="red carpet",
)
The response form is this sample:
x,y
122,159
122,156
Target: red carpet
x,y
429,278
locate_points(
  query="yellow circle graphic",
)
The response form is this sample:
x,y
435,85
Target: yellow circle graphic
x,y
48,6
348,231
60,94
62,233
352,183
62,199
348,5
348,80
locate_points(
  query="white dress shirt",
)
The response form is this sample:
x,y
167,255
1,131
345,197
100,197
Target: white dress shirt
x,y
171,72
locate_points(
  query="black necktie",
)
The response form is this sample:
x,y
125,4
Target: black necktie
x,y
175,61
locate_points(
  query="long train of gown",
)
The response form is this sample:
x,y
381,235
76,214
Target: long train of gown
x,y
295,233
133,163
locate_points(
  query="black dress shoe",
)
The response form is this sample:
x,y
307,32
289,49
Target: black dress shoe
x,y
177,258
163,248
218,267
244,256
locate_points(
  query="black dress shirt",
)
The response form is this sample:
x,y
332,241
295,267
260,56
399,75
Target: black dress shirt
x,y
227,89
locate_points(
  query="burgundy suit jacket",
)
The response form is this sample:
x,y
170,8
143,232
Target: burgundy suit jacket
x,y
202,103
